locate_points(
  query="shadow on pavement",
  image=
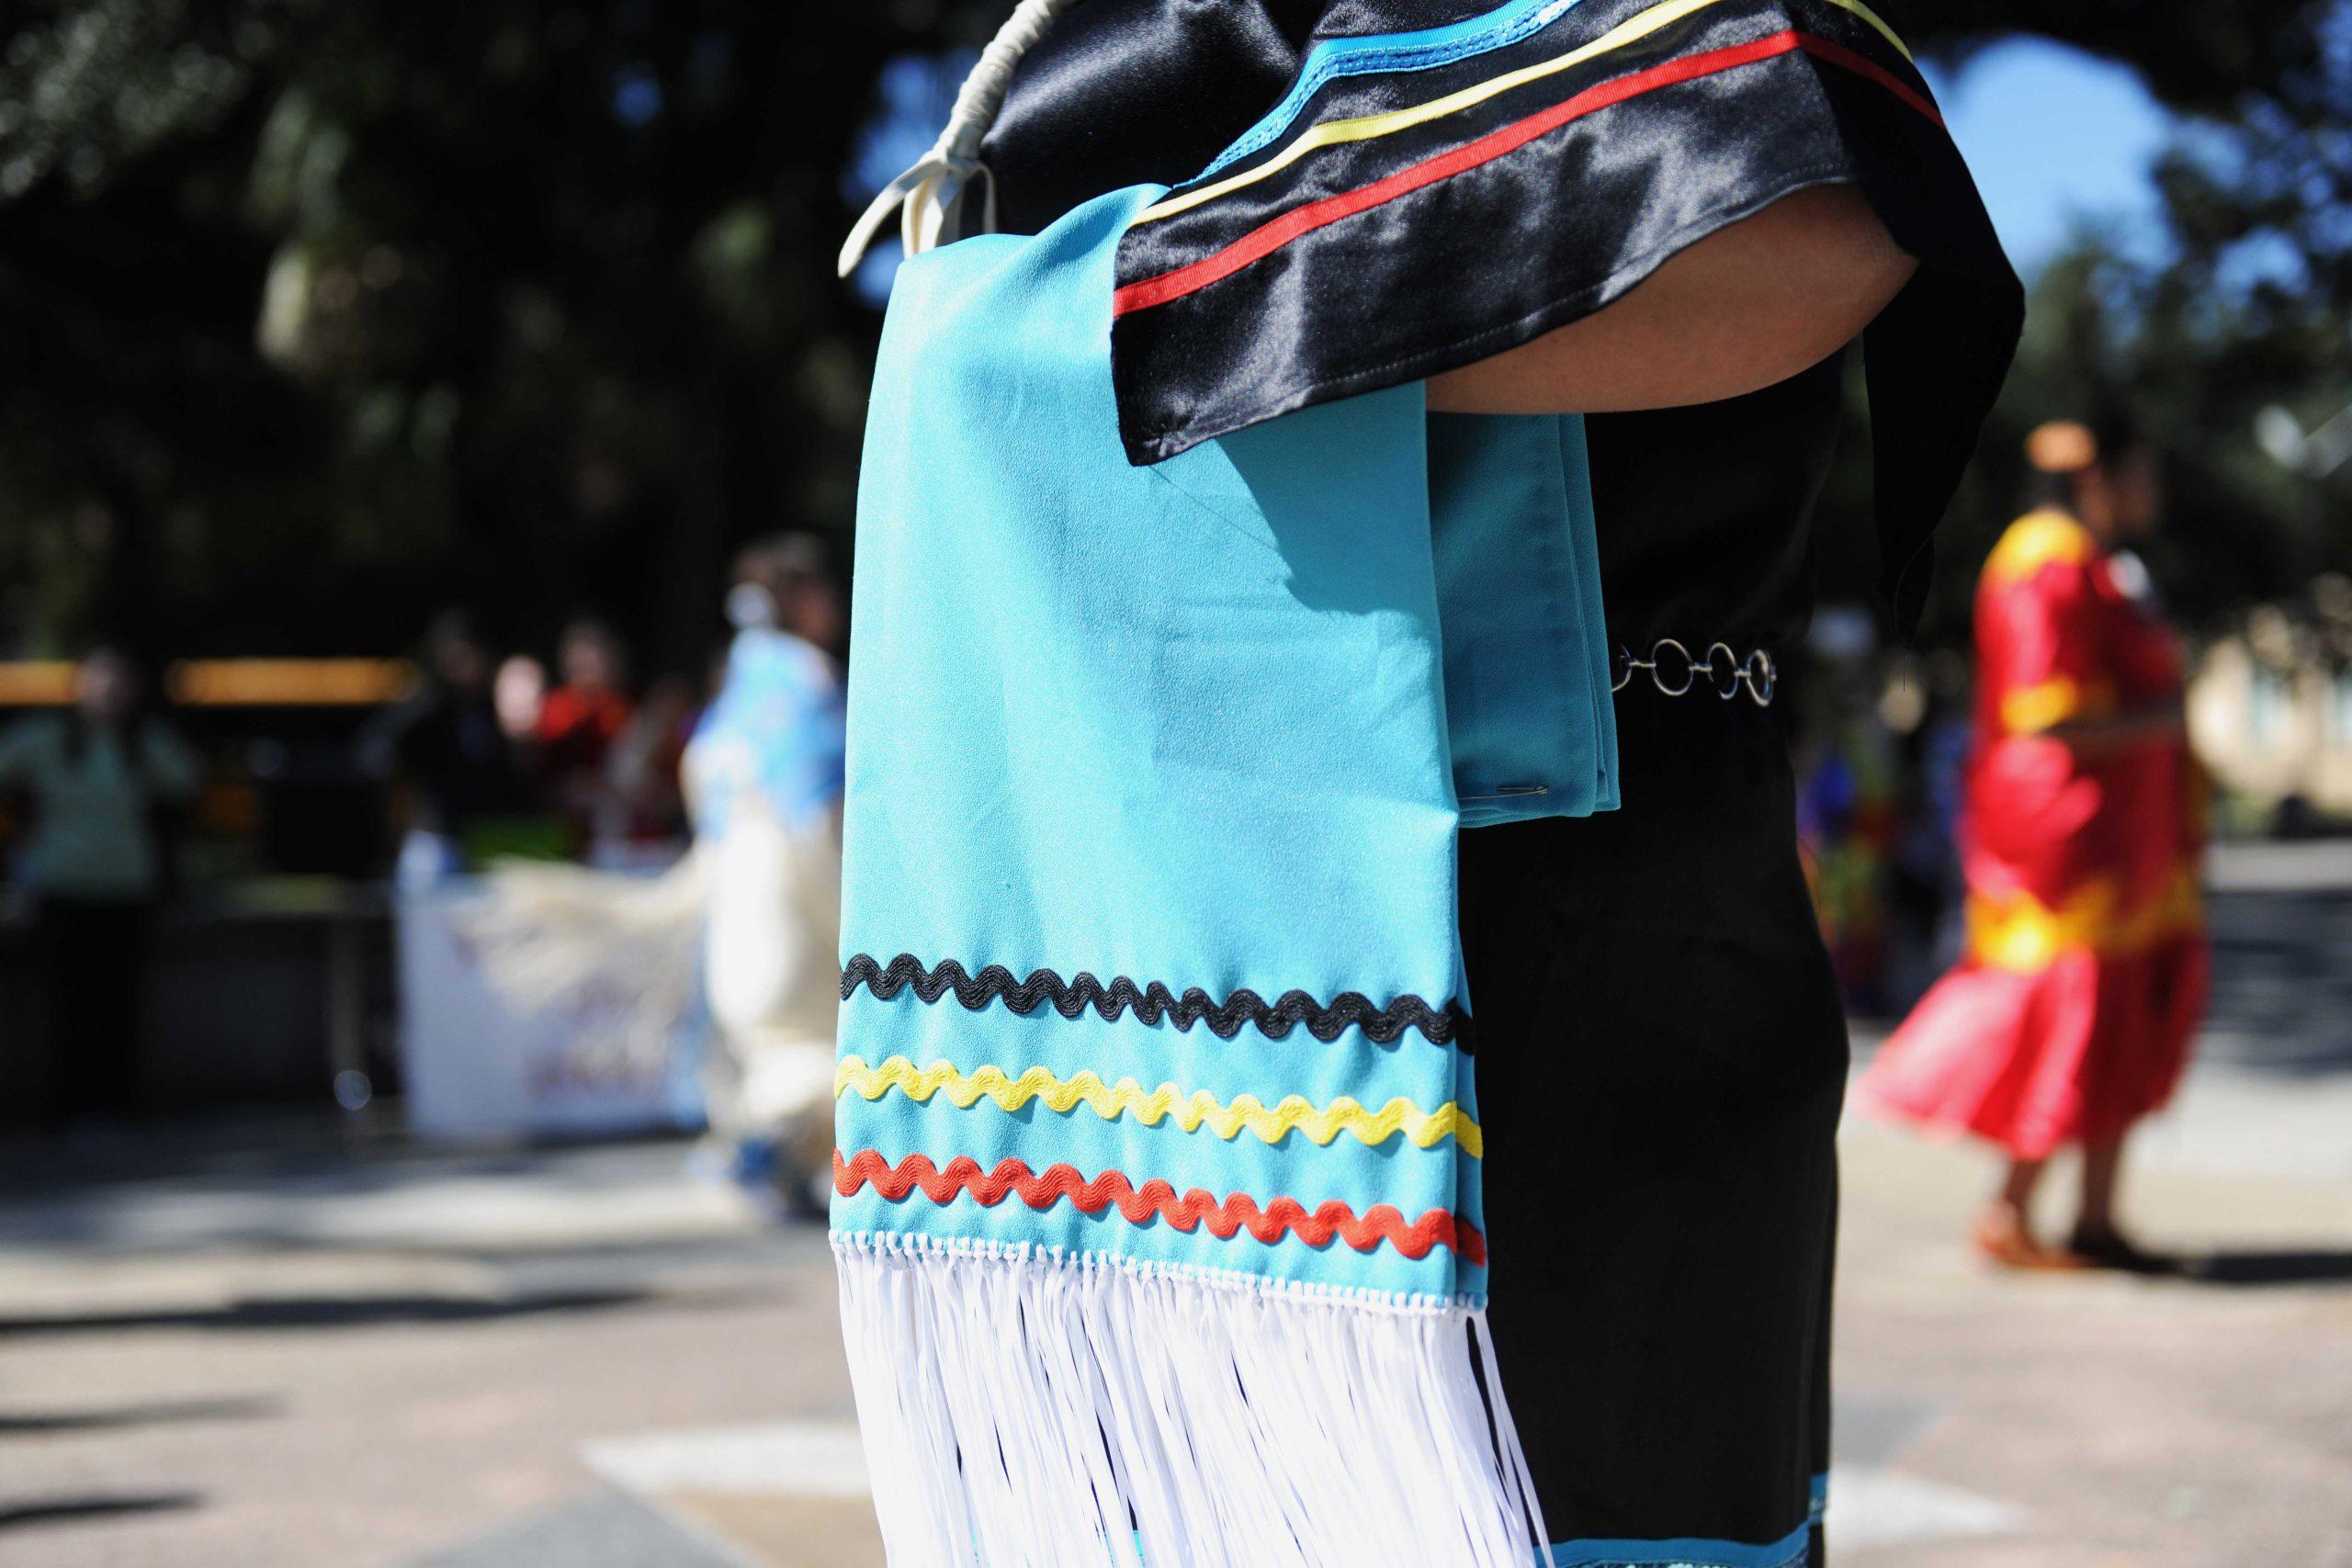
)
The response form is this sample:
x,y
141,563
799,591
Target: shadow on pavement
x,y
605,1530
53,1510
324,1312
2307,1266
154,1414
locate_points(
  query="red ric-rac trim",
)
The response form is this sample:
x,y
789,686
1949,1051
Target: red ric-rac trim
x,y
1157,1200
1272,235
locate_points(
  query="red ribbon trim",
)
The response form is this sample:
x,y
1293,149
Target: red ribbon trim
x,y
1271,236
1158,1199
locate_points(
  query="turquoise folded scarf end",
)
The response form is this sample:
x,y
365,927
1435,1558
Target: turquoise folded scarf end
x,y
1156,1200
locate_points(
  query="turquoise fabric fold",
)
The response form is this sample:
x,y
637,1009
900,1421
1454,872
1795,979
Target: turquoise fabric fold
x,y
1530,724
1153,777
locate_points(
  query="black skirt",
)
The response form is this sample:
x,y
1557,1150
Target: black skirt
x,y
1661,1047
1661,1062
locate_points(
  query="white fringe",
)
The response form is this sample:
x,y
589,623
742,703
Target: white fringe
x,y
1025,1408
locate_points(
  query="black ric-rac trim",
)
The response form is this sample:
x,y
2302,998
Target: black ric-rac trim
x,y
1154,1002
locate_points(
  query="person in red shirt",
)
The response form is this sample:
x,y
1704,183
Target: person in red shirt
x,y
577,724
2070,1015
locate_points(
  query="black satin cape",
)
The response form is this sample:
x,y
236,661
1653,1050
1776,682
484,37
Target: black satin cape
x,y
1695,124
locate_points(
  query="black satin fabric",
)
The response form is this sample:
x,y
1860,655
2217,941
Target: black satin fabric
x,y
1122,94
1495,255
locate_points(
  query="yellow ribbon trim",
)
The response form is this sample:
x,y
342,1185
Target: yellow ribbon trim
x,y
2019,932
1365,127
1128,1098
2036,540
2032,709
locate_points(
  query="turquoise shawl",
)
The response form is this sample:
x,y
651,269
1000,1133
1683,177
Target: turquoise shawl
x,y
1156,1182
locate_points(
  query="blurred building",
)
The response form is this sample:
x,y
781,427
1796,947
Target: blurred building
x,y
2270,710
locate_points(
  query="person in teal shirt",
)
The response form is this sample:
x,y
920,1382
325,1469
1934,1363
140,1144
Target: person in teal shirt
x,y
98,776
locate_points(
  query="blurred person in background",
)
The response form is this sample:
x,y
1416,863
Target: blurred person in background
x,y
1927,884
2070,1015
1846,825
642,771
101,777
446,743
763,784
577,726
517,693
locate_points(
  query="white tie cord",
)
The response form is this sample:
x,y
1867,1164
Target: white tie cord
x,y
930,194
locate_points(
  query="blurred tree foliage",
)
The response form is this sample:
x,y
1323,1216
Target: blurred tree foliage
x,y
322,313
316,314
2242,314
2199,58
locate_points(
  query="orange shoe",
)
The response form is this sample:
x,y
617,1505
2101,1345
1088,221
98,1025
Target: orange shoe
x,y
2001,1238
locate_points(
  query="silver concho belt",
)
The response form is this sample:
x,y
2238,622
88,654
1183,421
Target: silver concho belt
x,y
1675,671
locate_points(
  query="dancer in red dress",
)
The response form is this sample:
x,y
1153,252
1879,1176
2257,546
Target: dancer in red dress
x,y
2070,1015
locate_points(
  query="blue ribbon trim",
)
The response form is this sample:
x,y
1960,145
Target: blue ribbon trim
x,y
1789,1551
1371,54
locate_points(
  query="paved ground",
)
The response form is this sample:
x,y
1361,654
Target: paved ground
x,y
275,1348
311,1356
2187,1423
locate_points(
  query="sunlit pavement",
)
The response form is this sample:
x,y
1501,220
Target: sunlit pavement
x,y
2197,1421
275,1348
582,1358
297,1356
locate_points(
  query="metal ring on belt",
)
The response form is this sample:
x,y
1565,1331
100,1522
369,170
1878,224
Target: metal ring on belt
x,y
1676,672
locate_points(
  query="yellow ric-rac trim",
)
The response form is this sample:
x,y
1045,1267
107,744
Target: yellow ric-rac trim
x,y
1128,1098
2032,709
2017,932
2036,540
1364,127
